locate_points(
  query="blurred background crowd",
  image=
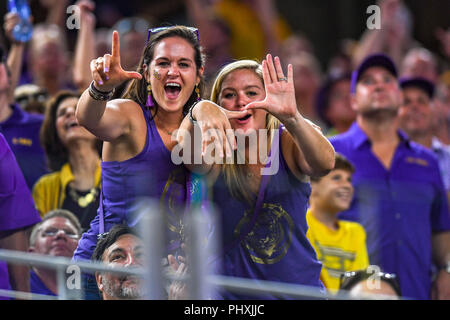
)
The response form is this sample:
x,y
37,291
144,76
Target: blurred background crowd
x,y
324,40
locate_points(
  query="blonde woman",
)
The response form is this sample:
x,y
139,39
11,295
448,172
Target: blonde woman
x,y
263,203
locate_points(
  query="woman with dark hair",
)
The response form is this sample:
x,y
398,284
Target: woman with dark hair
x,y
73,156
137,129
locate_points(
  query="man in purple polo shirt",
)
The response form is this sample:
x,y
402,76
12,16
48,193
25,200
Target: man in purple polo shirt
x,y
17,215
21,130
399,194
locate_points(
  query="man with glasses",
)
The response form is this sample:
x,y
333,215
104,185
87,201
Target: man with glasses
x,y
371,283
57,235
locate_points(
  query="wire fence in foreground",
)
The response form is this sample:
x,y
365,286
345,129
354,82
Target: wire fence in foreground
x,y
202,283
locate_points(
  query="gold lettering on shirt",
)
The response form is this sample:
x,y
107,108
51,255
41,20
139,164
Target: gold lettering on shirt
x,y
334,259
22,141
419,161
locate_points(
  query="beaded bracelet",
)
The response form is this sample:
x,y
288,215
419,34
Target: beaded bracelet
x,y
100,95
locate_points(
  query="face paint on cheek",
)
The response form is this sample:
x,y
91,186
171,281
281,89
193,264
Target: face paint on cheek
x,y
156,75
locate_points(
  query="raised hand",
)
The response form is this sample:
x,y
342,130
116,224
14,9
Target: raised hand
x,y
280,93
177,289
107,71
10,21
87,12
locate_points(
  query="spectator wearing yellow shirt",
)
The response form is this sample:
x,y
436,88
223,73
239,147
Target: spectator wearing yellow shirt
x,y
340,245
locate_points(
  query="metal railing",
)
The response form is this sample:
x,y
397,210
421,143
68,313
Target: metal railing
x,y
233,284
201,281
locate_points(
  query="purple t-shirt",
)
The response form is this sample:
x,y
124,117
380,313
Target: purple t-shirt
x,y
274,247
149,174
400,208
37,286
16,204
21,131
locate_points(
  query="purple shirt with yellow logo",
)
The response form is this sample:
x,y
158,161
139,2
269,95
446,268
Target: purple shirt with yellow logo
x,y
271,245
21,131
400,208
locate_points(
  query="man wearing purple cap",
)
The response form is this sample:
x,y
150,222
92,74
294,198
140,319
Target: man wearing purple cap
x,y
17,215
416,119
399,194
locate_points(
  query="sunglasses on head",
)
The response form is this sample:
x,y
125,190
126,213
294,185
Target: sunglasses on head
x,y
351,278
25,99
102,236
159,29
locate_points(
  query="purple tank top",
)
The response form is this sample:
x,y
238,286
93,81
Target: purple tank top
x,y
274,246
149,174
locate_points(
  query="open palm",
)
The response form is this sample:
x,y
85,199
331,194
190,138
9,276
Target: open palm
x,y
280,93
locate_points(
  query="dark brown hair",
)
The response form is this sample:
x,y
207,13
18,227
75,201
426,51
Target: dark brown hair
x,y
137,89
341,163
109,238
56,152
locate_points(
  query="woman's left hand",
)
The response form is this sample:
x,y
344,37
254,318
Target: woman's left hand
x,y
280,93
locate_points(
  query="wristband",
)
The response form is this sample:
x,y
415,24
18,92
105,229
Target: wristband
x,y
191,118
99,95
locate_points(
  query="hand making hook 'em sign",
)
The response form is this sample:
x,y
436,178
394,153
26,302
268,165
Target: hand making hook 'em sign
x,y
107,72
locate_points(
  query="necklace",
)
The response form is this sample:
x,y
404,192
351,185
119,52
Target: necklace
x,y
83,201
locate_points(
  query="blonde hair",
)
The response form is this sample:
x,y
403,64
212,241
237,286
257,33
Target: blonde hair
x,y
66,214
235,174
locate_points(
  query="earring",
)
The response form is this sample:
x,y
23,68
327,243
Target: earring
x,y
150,102
197,91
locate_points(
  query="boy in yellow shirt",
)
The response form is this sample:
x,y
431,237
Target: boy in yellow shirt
x,y
340,245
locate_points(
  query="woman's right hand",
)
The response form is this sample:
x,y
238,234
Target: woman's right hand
x,y
107,72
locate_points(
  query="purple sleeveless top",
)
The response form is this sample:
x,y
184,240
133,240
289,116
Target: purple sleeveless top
x,y
274,246
149,174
